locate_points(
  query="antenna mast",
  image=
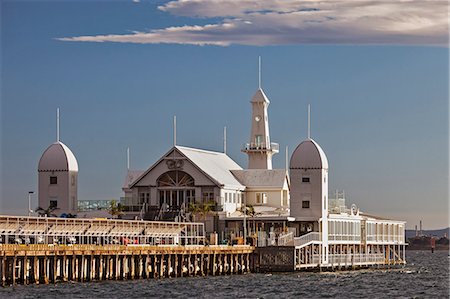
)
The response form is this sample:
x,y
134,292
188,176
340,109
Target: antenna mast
x,y
309,121
57,124
174,130
128,158
287,158
225,140
259,72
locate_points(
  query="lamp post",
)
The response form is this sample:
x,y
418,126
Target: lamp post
x,y
245,218
29,202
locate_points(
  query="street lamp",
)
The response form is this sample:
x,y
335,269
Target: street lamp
x,y
29,203
245,218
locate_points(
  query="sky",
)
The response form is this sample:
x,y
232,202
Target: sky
x,y
376,74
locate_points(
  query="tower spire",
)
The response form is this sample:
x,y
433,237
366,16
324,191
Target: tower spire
x,y
57,124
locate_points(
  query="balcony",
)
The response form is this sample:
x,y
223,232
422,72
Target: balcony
x,y
262,146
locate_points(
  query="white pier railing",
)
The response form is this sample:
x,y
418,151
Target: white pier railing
x,y
308,238
356,259
344,260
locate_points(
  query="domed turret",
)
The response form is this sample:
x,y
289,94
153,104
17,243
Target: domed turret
x,y
309,181
309,155
58,157
58,178
309,190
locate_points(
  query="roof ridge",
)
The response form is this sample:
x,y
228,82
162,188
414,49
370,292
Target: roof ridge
x,y
199,149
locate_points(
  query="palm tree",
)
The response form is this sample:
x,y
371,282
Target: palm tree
x,y
115,209
203,209
249,210
49,212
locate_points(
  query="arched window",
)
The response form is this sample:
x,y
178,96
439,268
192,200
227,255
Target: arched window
x,y
175,178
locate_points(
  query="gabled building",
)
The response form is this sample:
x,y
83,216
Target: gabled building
x,y
186,177
272,206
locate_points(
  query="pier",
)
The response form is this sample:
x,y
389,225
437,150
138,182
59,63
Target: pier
x,y
47,263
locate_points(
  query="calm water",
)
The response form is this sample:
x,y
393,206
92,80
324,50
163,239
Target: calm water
x,y
425,276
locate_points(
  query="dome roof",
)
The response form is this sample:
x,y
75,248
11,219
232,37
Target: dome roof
x,y
309,154
58,157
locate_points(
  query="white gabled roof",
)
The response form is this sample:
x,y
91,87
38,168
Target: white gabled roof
x,y
216,165
58,157
274,178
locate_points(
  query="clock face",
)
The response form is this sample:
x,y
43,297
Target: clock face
x,y
257,118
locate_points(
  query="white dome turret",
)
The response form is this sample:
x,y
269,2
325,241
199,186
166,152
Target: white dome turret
x,y
309,155
58,157
58,179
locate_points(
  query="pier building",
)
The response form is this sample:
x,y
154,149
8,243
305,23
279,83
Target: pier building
x,y
265,206
261,206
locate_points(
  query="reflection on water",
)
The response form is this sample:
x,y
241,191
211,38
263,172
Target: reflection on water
x,y
426,275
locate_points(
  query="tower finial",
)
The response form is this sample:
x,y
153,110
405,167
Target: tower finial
x,y
259,72
57,124
309,121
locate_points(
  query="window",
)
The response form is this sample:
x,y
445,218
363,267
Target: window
x,y
261,198
208,196
144,198
258,140
53,180
53,203
305,179
305,204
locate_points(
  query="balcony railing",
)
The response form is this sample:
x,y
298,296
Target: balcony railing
x,y
310,237
262,146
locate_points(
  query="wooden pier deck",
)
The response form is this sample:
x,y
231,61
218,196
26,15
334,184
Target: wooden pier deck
x,y
47,263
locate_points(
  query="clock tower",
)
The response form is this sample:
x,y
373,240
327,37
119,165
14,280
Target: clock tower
x,y
260,149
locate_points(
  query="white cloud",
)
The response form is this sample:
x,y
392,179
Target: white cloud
x,y
275,22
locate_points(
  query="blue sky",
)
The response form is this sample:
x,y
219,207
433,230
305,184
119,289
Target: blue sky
x,y
378,87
